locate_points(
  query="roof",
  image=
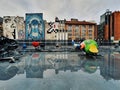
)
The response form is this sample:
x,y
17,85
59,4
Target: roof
x,y
79,23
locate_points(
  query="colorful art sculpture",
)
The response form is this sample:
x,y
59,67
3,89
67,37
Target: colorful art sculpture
x,y
35,44
88,46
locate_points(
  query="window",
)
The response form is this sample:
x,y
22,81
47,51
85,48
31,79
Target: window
x,y
69,30
69,34
90,26
62,26
83,31
90,32
77,28
83,27
90,37
69,27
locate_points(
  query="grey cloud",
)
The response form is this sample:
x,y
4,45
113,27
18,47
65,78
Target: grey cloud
x,y
81,9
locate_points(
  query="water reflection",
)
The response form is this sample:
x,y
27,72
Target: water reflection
x,y
35,64
110,67
7,73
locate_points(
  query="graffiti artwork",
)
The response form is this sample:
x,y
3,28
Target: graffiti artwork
x,y
9,27
20,27
35,26
13,27
21,34
53,27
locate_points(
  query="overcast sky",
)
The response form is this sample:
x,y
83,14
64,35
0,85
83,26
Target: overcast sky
x,y
63,9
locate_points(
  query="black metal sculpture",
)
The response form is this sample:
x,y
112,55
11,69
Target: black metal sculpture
x,y
7,47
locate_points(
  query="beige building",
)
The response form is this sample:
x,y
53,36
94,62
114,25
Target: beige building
x,y
62,32
55,30
50,33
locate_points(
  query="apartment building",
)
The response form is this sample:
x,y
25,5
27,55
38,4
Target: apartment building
x,y
80,29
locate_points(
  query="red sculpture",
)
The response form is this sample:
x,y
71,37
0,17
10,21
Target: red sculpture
x,y
35,43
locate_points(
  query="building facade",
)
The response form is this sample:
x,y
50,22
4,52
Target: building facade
x,y
104,30
51,29
56,30
20,27
9,27
13,27
80,29
115,26
34,26
62,33
109,26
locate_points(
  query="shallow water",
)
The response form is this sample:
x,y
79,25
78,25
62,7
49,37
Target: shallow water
x,y
61,71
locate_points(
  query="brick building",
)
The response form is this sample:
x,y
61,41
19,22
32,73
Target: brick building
x,y
104,26
109,26
115,25
80,29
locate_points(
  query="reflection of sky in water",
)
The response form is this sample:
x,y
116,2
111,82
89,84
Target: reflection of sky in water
x,y
62,71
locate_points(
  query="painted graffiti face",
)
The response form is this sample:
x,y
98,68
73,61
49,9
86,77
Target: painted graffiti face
x,y
9,27
34,27
12,25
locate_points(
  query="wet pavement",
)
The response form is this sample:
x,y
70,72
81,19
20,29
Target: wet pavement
x,y
62,71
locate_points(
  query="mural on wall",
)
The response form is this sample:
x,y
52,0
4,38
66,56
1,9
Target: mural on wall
x,y
53,27
9,27
20,27
35,26
13,27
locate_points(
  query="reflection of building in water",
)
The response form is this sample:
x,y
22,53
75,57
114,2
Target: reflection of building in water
x,y
7,72
111,67
74,62
64,61
56,60
35,66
